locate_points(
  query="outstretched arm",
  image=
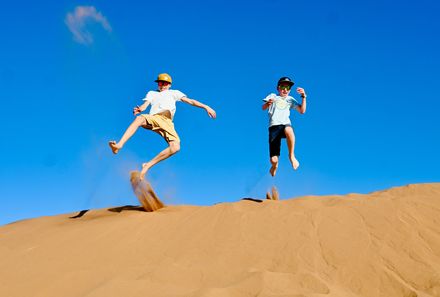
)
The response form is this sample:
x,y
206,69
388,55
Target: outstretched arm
x,y
302,108
267,104
268,101
209,110
138,109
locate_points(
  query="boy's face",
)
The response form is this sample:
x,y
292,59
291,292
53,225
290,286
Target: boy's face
x,y
163,85
283,89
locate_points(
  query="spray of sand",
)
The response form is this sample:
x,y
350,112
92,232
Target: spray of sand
x,y
145,193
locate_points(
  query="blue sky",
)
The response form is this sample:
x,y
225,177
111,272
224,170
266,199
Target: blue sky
x,y
68,86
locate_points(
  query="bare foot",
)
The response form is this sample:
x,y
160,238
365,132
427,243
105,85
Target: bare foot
x,y
295,163
273,170
115,148
145,168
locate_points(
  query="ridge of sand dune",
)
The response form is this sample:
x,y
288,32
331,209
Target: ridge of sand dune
x,y
386,243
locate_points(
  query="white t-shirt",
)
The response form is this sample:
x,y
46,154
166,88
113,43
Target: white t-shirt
x,y
279,111
165,100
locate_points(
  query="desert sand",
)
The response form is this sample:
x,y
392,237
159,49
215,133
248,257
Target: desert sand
x,y
385,243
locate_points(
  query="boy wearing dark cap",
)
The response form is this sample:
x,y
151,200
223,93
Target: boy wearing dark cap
x,y
280,126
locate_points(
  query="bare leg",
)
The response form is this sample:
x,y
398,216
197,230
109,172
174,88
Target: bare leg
x,y
174,147
274,162
290,137
138,122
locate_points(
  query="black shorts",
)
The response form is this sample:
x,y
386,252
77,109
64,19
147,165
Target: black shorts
x,y
276,133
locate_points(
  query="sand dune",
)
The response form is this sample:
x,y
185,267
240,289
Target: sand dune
x,y
382,244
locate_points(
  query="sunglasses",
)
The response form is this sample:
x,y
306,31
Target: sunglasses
x,y
163,83
284,87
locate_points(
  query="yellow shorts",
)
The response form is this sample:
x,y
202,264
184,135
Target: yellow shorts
x,y
161,125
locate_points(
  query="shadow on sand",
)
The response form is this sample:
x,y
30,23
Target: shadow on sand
x,y
252,199
113,209
126,207
80,214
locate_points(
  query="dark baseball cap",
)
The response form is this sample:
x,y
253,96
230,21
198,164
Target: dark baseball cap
x,y
285,79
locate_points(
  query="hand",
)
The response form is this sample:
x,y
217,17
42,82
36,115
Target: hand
x,y
137,110
270,101
211,112
301,92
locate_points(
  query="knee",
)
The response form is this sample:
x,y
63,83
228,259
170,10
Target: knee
x,y
174,147
140,120
274,159
289,132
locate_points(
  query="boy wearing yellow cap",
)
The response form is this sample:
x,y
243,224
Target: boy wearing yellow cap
x,y
280,126
160,119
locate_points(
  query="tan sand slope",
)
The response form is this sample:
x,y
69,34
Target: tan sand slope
x,y
382,244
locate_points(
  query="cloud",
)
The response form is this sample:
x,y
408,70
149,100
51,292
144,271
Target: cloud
x,y
77,22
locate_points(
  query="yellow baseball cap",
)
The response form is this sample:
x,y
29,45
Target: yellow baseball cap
x,y
164,77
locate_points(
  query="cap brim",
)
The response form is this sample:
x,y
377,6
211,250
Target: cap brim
x,y
290,83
